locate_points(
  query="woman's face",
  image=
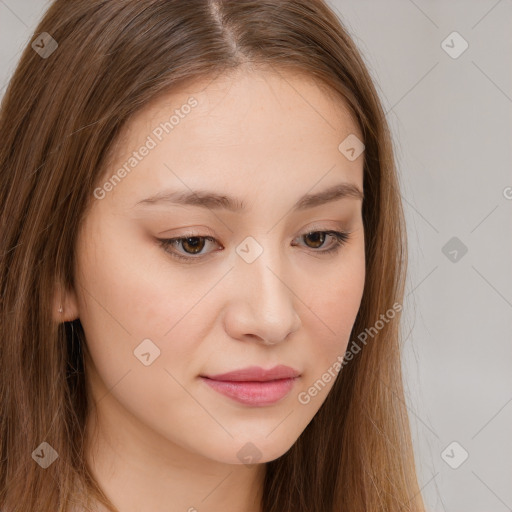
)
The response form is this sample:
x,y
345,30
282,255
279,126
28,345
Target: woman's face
x,y
262,285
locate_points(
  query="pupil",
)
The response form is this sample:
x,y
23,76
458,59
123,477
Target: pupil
x,y
317,235
195,248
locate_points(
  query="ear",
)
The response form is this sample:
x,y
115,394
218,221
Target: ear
x,y
65,299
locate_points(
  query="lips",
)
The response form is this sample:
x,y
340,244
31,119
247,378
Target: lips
x,y
254,385
256,374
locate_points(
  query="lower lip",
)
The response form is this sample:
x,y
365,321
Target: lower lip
x,y
253,393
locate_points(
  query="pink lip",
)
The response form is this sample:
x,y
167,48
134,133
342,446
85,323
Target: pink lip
x,y
256,373
254,385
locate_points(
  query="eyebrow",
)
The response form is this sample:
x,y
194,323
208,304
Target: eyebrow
x,y
216,201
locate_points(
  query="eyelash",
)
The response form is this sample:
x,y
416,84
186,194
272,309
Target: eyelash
x,y
340,238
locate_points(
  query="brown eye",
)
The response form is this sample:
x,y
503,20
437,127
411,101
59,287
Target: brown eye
x,y
193,245
191,248
186,247
317,237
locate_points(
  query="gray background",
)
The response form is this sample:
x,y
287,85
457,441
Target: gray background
x,y
451,120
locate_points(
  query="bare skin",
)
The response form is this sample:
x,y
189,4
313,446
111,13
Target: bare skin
x,y
166,441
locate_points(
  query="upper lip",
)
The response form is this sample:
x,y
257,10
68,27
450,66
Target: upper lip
x,y
256,373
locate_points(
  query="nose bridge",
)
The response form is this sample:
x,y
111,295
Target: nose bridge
x,y
262,273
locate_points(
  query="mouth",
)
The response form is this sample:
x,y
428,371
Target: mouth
x,y
254,385
254,393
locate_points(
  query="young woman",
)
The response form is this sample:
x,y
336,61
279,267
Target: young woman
x,y
203,263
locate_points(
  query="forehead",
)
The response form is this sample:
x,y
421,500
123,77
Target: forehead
x,y
246,105
243,129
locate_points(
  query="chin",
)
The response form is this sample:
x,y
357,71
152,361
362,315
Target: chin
x,y
256,450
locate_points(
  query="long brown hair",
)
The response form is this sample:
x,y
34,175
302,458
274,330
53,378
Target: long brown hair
x,y
60,117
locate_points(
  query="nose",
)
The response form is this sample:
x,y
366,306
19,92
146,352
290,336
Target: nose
x,y
263,304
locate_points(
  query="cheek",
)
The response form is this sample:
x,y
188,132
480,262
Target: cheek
x,y
128,310
333,305
128,296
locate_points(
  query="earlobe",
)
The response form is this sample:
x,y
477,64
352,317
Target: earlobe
x,y
65,305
